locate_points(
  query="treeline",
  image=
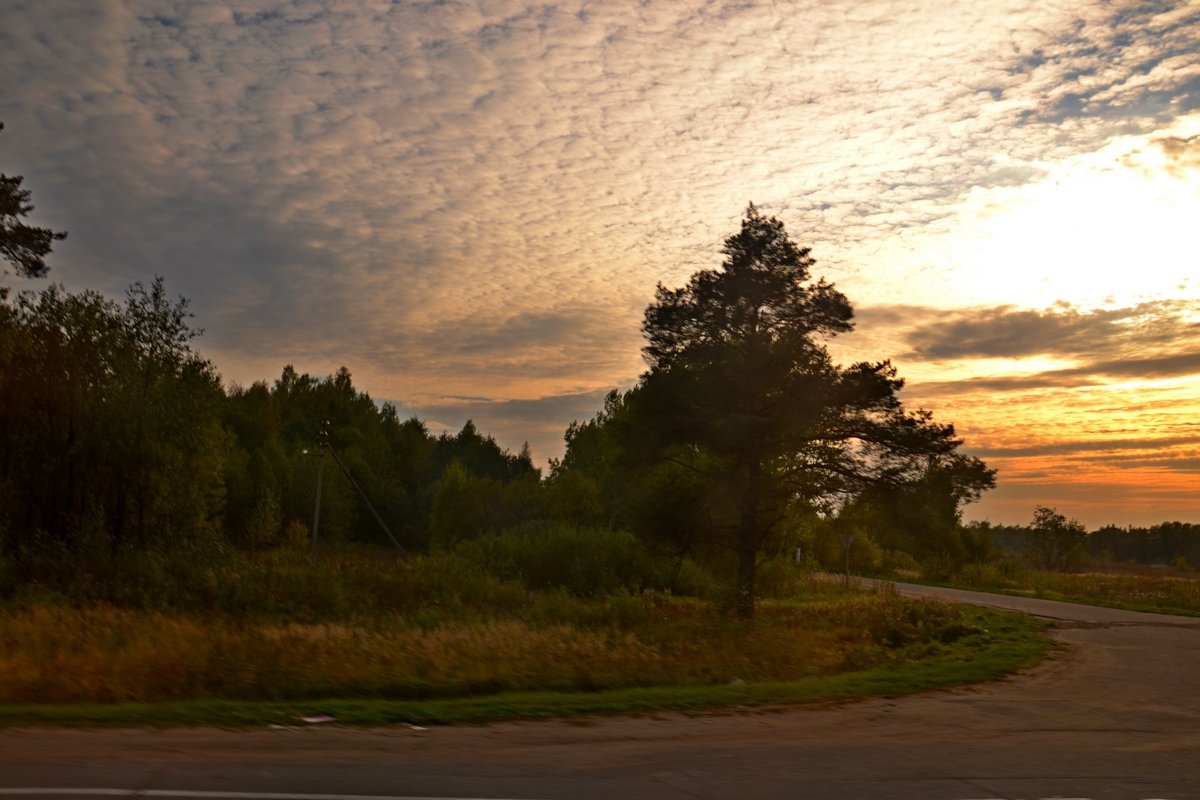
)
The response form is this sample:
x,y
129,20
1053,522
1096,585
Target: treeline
x,y
743,448
742,451
1167,543
1175,543
118,440
117,436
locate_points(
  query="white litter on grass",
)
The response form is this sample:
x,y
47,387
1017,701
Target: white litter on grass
x,y
318,718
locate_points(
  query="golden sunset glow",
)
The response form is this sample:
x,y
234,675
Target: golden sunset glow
x,y
470,204
1110,228
1070,341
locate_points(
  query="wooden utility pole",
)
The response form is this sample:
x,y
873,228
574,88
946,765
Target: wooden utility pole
x,y
323,445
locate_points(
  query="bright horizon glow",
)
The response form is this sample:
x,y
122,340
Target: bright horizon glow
x,y
1110,229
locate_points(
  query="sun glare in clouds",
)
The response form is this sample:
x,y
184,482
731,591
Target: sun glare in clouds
x,y
1097,252
1112,227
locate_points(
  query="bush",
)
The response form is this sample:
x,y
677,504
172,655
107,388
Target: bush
x,y
690,579
828,547
939,568
1055,543
898,562
581,561
619,609
778,577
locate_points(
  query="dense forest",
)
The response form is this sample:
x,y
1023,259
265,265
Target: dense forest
x,y
743,443
115,435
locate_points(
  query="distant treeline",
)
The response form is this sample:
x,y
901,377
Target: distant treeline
x,y
1168,543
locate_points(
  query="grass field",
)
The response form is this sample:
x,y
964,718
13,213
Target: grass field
x,y
1116,586
435,648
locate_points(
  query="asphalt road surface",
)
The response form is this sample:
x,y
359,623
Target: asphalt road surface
x,y
1117,715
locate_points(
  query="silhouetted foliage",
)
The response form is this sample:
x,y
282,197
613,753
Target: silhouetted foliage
x,y
110,434
923,516
1055,542
117,443
1175,543
23,246
742,394
399,465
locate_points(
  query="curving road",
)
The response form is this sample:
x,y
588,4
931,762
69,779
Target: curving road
x,y
1116,716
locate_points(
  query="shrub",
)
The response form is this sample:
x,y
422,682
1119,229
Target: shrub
x,y
691,579
1054,542
778,577
582,561
898,562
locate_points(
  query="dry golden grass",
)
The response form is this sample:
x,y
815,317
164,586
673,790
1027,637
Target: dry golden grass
x,y
54,654
1120,586
1146,590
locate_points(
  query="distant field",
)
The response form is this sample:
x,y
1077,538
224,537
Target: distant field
x,y
1132,587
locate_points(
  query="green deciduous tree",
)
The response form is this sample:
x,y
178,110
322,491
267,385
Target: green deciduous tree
x,y
923,517
1055,542
742,390
110,434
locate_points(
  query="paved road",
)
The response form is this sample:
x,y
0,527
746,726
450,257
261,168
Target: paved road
x,y
1117,716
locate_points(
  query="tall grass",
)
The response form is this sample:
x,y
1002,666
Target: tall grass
x,y
61,654
552,608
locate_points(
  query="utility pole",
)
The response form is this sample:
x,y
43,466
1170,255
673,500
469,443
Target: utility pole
x,y
848,538
323,445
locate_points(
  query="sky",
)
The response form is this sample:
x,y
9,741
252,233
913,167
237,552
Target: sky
x,y
469,204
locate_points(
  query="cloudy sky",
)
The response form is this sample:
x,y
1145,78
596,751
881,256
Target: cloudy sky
x,y
469,203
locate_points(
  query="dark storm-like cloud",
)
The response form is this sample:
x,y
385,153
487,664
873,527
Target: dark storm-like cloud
x,y
1093,334
1089,446
1161,367
1092,374
1004,349
1183,154
1169,463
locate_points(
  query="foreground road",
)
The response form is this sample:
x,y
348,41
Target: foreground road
x,y
1117,716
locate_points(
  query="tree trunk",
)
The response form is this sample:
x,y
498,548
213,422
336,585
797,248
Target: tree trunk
x,y
747,547
747,561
